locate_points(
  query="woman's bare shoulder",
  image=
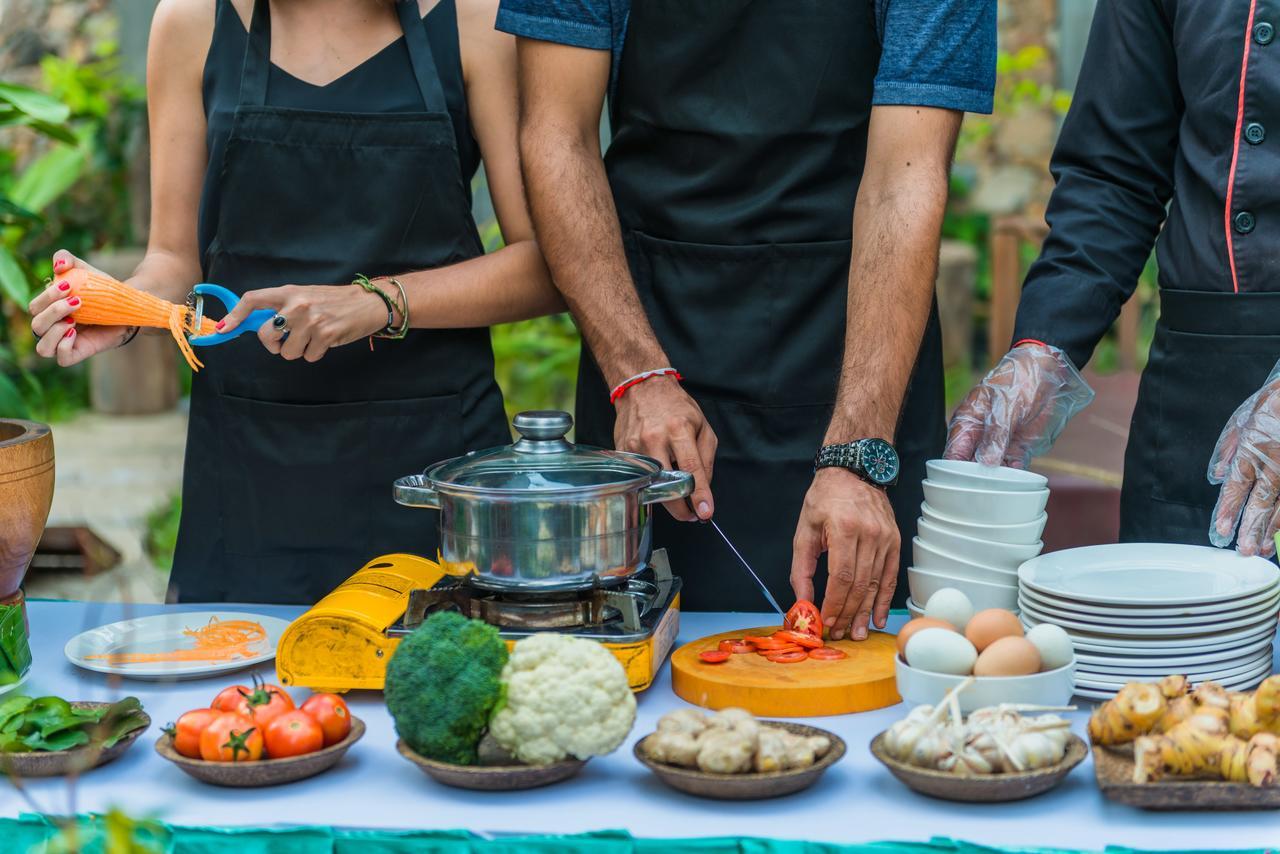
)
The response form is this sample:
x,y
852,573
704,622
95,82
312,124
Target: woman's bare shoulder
x,y
183,27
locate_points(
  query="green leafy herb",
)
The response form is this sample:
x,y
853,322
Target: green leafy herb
x,y
52,723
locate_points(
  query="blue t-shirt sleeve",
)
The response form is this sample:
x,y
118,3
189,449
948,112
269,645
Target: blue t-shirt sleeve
x,y
579,23
936,53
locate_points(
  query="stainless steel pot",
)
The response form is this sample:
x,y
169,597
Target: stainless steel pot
x,y
544,514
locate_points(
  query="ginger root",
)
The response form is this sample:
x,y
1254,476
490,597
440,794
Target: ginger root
x,y
1256,712
1202,746
1135,710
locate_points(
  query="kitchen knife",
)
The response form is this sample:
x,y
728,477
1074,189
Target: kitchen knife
x,y
747,567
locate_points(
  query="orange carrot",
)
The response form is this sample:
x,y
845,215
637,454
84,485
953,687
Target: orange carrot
x,y
218,641
107,302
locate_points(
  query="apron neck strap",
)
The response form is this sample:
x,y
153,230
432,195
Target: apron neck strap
x,y
257,57
420,56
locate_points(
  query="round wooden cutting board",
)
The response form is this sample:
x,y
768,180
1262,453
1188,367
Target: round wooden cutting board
x,y
859,683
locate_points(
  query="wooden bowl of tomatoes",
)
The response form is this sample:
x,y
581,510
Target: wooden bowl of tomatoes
x,y
254,735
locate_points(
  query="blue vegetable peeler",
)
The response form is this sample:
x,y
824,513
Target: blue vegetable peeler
x,y
229,300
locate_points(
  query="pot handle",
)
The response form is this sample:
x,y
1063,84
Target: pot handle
x,y
667,486
413,491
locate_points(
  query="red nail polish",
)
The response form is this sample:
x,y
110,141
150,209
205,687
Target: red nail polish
x,y
220,324
64,286
69,332
73,301
59,264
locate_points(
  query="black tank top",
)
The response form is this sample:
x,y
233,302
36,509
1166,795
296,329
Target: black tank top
x,y
384,83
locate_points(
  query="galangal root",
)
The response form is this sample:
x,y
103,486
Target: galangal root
x,y
1206,733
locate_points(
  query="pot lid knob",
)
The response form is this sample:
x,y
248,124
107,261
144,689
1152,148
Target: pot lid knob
x,y
542,425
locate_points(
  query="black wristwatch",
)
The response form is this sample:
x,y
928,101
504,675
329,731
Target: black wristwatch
x,y
873,460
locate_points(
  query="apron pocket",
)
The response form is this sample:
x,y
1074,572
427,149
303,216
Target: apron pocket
x,y
317,478
1194,382
761,322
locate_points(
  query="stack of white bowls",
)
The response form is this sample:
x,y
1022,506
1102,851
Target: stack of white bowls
x,y
979,524
1137,612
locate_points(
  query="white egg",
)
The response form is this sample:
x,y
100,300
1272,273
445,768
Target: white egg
x,y
951,605
1054,644
941,651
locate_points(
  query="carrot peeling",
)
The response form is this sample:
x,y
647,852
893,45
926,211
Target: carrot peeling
x,y
104,301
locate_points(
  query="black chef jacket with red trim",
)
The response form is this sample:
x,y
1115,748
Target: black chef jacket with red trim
x,y
1177,107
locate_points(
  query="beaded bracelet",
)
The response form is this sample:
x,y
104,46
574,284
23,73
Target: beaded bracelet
x,y
390,331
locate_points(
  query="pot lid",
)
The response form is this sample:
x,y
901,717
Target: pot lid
x,y
542,460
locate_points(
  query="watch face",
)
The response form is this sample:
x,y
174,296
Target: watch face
x,y
879,460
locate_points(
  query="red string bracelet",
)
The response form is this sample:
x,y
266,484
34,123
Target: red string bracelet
x,y
621,388
1029,341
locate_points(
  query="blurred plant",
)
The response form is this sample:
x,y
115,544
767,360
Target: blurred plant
x,y
162,532
535,361
116,832
83,123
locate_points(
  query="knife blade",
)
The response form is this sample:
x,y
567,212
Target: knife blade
x,y
747,567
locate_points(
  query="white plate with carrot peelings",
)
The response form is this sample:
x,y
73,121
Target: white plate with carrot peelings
x,y
184,645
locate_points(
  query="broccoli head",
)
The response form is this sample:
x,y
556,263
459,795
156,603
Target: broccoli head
x,y
443,683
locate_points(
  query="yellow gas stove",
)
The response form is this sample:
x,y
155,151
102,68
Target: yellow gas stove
x,y
345,641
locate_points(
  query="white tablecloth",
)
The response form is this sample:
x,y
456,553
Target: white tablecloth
x,y
857,800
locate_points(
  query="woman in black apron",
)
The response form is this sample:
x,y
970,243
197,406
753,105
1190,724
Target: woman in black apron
x,y
290,460
1148,143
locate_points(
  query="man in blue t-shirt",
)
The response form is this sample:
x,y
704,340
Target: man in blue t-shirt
x,y
771,199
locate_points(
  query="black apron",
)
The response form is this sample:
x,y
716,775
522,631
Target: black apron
x,y
289,465
1211,351
739,138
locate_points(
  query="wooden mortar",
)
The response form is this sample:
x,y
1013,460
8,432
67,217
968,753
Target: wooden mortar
x,y
26,493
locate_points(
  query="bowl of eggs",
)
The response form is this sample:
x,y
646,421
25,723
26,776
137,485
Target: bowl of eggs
x,y
951,642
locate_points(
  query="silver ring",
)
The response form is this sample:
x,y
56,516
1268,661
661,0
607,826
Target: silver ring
x,y
280,322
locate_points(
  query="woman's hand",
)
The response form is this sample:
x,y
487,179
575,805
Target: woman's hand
x,y
55,327
318,317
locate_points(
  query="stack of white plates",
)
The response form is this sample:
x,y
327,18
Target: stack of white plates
x,y
1137,612
979,524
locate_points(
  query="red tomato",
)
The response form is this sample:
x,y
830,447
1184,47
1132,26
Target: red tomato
x,y
770,643
804,617
293,734
827,653
186,732
715,656
800,638
265,703
229,698
231,737
331,712
788,657
791,647
737,647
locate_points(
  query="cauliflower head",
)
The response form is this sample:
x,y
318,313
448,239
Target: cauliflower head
x,y
565,696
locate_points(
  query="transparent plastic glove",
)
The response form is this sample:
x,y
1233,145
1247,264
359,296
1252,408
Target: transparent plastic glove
x,y
1246,461
1018,409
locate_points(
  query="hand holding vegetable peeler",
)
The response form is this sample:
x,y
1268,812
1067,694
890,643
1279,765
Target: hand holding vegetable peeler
x,y
229,301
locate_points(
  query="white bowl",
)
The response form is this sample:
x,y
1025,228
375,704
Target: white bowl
x,y
1007,556
916,611
928,556
1022,533
1050,688
977,476
987,506
983,594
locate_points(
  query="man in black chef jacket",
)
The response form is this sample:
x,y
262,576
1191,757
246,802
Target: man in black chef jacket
x,y
1176,120
713,241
